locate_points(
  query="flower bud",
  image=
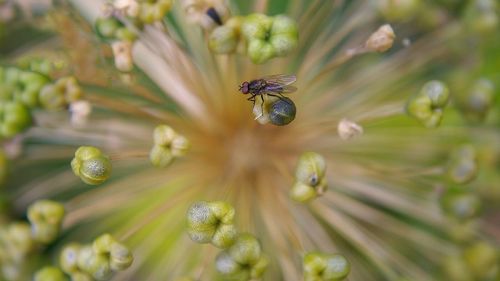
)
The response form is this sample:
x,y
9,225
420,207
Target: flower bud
x,y
482,260
223,40
180,146
310,169
80,111
461,205
211,222
15,117
269,37
151,11
428,105
348,129
245,250
168,145
91,165
319,266
120,257
80,276
282,112
160,156
479,99
381,40
69,258
49,273
122,52
399,10
455,269
463,167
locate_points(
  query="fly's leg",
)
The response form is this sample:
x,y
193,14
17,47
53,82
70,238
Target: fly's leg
x,y
281,97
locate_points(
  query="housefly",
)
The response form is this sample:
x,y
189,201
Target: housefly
x,y
273,85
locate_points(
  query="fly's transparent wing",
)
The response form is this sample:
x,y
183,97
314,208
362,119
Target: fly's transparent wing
x,y
280,79
281,89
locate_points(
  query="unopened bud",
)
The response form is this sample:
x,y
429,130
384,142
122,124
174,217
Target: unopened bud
x,y
381,40
122,51
348,129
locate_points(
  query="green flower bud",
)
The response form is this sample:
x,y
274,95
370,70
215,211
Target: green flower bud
x,y
91,165
46,211
260,267
102,244
96,265
479,99
462,206
180,146
438,93
428,105
51,97
226,265
455,269
223,40
463,231
168,145
318,266
282,112
211,222
482,260
399,10
69,258
160,156
19,241
44,233
246,249
120,257
269,37
163,135
481,16
15,117
106,28
310,169
150,12
125,34
284,35
302,192
49,273
463,167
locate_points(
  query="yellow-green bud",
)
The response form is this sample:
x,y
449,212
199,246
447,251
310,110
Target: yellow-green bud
x,y
15,117
180,146
463,167
160,156
120,257
150,12
211,222
19,240
456,269
319,266
68,259
107,27
102,244
223,40
381,40
49,273
46,211
246,249
269,37
462,206
60,94
479,99
80,276
91,165
428,105
310,169
399,10
482,260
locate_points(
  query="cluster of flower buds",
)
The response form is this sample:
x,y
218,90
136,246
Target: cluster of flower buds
x,y
477,101
325,267
310,180
19,239
244,260
242,257
274,110
428,105
212,222
22,91
60,94
120,37
260,36
482,16
91,165
95,261
168,145
478,261
463,165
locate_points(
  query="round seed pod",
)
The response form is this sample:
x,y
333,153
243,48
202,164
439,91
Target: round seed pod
x,y
69,258
282,112
246,249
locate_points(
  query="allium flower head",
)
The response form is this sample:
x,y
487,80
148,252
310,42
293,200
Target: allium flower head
x,y
152,94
